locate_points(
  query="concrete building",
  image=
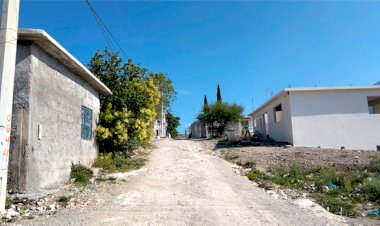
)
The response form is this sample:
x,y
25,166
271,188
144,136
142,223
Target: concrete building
x,y
55,112
160,126
198,130
335,117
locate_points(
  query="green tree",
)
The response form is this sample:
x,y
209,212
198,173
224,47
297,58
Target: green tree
x,y
127,116
165,86
205,104
219,115
173,123
218,95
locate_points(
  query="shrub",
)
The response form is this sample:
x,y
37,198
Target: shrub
x,y
112,162
375,165
105,161
257,175
249,164
230,156
81,174
325,177
296,172
371,188
337,206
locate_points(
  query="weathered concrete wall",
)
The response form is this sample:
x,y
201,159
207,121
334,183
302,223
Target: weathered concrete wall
x,y
334,119
20,120
55,103
279,131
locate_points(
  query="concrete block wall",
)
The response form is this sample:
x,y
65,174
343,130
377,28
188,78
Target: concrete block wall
x,y
51,135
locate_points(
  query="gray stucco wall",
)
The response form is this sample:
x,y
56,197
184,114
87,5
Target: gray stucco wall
x,y
56,97
279,131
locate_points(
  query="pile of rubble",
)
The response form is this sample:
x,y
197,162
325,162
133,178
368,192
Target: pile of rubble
x,y
29,206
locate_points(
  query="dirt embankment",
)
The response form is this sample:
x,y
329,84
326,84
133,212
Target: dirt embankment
x,y
267,156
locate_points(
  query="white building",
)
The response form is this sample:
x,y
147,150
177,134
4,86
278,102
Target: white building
x,y
328,117
160,126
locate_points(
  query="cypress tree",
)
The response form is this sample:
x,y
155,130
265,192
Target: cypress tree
x,y
218,95
205,104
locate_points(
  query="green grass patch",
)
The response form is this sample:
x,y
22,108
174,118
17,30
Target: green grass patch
x,y
81,174
230,156
336,205
8,203
118,162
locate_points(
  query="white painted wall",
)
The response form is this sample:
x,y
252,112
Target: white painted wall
x,y
279,131
334,118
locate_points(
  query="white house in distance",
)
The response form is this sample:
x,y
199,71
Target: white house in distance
x,y
160,126
326,117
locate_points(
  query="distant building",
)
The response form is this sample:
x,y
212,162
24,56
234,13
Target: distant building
x,y
160,126
330,117
55,112
198,130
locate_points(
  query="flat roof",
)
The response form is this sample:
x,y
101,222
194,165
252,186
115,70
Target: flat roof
x,y
53,48
314,89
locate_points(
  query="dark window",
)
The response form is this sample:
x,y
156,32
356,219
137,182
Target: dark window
x,y
86,123
373,105
378,147
277,113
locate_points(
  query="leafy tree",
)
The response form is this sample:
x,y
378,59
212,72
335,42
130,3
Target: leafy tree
x,y
173,123
165,86
127,116
218,95
219,115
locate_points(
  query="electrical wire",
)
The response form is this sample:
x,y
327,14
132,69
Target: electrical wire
x,y
110,38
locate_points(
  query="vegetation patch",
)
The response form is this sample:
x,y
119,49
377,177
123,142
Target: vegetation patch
x,y
8,203
118,162
230,156
81,174
339,191
63,200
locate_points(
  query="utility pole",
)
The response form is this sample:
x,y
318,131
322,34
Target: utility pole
x,y
162,118
8,48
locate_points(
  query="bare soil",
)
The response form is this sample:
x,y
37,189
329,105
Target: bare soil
x,y
267,156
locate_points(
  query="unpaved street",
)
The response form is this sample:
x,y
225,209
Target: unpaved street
x,y
182,185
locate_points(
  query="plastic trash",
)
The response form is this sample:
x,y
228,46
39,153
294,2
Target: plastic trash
x,y
333,186
374,212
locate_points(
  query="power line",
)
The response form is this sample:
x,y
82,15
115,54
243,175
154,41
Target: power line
x,y
111,40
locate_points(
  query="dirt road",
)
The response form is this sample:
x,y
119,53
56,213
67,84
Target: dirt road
x,y
182,185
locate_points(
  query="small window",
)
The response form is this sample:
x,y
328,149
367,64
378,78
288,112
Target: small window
x,y
86,123
277,112
373,105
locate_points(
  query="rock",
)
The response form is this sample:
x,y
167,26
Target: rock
x,y
51,207
325,189
11,213
39,203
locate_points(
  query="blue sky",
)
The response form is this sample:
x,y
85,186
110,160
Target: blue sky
x,y
252,49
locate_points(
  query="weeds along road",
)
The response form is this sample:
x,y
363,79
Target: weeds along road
x,y
182,185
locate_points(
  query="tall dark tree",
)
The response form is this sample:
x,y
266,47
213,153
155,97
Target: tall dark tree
x,y
205,103
218,95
